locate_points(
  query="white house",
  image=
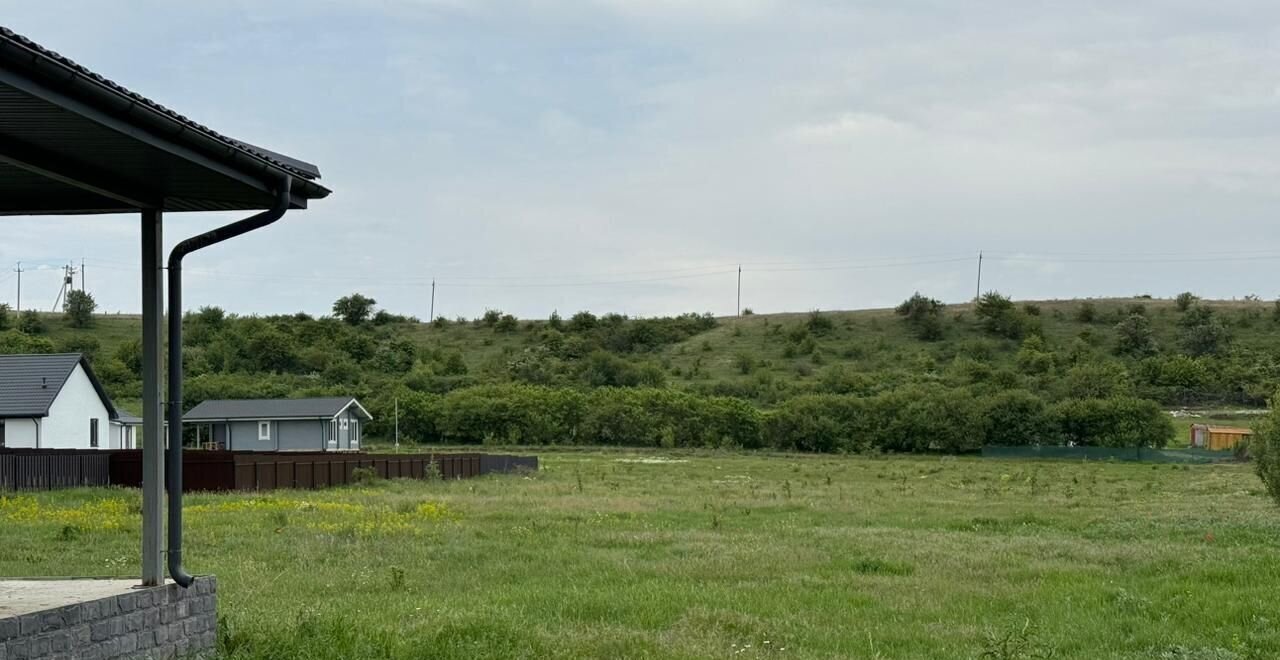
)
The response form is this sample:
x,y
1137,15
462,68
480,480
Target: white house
x,y
55,402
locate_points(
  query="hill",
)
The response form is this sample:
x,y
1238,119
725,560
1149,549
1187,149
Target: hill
x,y
1177,353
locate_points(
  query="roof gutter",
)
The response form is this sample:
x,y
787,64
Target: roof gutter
x,y
173,456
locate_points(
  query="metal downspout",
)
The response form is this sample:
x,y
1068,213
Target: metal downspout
x,y
173,456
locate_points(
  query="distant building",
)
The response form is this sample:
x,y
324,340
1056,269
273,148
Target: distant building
x,y
55,402
1217,438
320,424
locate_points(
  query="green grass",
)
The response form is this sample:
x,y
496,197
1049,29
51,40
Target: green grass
x,y
602,555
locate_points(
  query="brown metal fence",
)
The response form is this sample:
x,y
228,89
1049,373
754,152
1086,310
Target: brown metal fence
x,y
44,469
48,469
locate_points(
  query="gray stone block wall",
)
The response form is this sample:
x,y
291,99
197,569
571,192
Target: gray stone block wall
x,y
159,622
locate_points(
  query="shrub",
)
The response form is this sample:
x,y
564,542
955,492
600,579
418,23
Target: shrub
x,y
507,323
4,316
819,323
1134,337
923,315
30,322
1203,332
1018,417
1185,300
1116,422
77,344
13,341
1096,380
1033,358
1000,317
821,422
1087,313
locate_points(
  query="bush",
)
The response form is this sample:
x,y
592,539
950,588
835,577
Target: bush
x,y
1117,422
923,315
506,323
80,307
4,316
86,345
1018,417
1000,317
820,422
1185,300
30,322
12,341
1203,332
1087,313
818,323
1134,337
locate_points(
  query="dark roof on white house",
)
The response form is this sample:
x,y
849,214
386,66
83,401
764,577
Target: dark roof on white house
x,y
216,410
30,383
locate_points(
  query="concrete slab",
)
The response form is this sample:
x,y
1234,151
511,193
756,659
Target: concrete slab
x,y
25,596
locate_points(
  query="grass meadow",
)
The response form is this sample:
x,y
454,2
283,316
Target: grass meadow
x,y
612,554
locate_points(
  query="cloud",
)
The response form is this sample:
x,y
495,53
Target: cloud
x,y
579,140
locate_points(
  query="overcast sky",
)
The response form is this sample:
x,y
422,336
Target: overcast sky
x,y
626,156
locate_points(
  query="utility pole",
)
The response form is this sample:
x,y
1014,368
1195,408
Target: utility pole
x,y
397,400
739,290
18,270
82,273
978,294
433,301
68,285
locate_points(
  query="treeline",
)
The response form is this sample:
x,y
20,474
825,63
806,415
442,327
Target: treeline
x,y
911,419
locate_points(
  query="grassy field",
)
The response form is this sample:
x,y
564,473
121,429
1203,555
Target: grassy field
x,y
706,555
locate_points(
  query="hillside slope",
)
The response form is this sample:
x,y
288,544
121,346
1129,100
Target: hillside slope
x,y
1057,349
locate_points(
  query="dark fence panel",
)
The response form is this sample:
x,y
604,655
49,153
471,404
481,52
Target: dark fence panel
x,y
205,470
49,469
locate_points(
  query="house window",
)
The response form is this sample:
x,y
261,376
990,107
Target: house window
x,y
93,432
264,431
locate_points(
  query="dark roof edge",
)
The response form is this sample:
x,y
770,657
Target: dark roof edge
x,y
93,380
115,98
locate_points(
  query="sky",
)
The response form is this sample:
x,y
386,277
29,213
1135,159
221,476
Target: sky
x,y
627,156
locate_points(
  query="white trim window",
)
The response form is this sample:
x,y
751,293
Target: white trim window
x,y
264,431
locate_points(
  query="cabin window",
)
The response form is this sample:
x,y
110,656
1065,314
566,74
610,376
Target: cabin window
x,y
93,432
264,431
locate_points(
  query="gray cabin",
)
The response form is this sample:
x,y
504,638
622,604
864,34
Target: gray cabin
x,y
319,424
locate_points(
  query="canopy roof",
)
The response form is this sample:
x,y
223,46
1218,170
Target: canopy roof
x,y
72,141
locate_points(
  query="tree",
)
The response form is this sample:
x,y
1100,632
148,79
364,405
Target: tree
x,y
80,306
4,316
1264,447
1203,332
1134,337
923,315
1185,300
355,309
